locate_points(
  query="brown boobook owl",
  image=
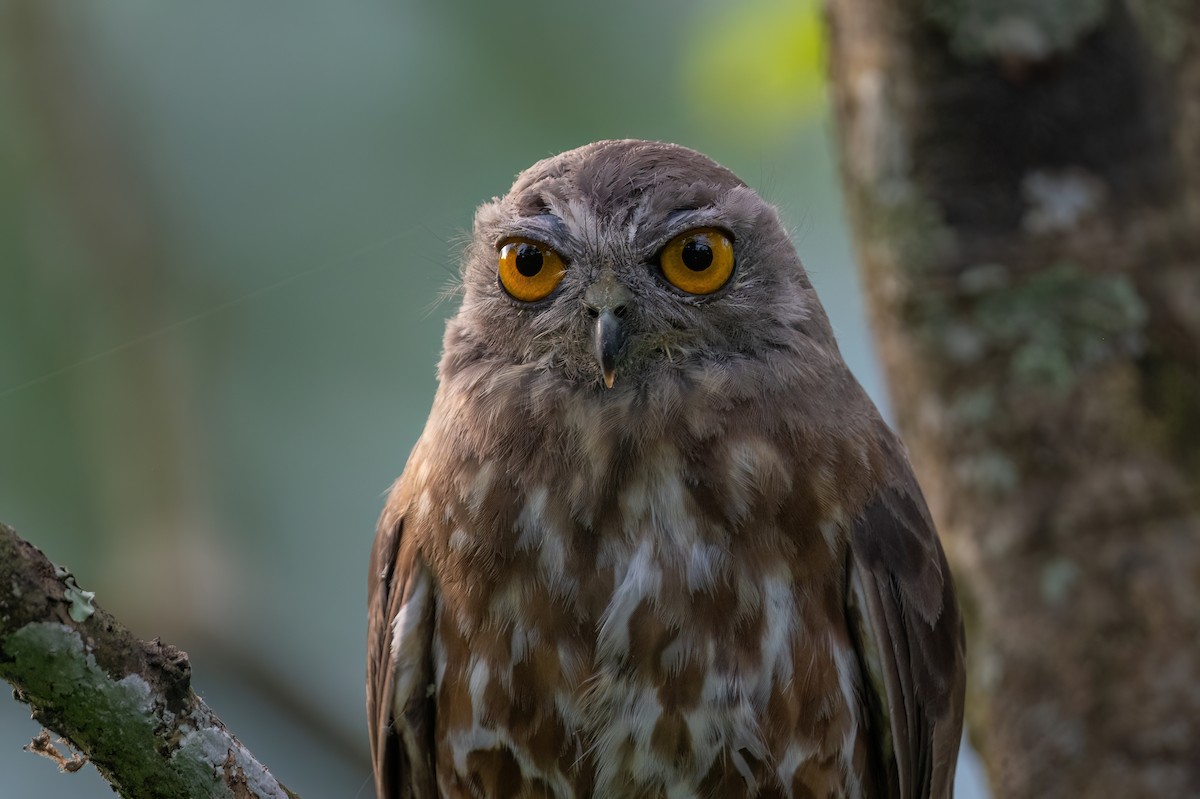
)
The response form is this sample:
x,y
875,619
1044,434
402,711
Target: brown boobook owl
x,y
655,540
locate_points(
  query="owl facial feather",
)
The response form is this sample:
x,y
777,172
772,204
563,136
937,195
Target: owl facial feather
x,y
608,209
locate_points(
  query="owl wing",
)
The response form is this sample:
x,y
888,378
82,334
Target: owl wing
x,y
905,619
399,665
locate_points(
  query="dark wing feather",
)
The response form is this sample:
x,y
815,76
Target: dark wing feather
x,y
909,636
399,666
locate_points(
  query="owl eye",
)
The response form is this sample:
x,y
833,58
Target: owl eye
x,y
699,261
529,270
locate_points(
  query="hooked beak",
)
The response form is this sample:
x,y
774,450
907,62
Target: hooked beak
x,y
609,338
606,301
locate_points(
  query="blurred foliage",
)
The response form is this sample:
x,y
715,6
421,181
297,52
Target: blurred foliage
x,y
757,68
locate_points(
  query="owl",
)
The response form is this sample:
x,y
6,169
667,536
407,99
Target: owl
x,y
655,540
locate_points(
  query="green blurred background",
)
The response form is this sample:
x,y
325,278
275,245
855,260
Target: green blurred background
x,y
228,232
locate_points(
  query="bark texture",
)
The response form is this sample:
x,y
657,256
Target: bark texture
x,y
126,704
1024,182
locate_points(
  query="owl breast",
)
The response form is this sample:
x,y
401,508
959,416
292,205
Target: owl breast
x,y
679,633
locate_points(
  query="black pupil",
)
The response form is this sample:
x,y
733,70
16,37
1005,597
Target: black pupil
x,y
697,255
529,259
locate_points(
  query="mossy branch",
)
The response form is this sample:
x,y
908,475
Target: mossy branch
x,y
126,704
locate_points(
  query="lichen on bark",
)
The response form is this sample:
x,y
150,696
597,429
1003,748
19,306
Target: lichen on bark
x,y
108,717
1028,29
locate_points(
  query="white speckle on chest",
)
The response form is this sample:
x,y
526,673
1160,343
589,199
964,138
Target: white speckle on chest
x,y
639,580
667,555
664,560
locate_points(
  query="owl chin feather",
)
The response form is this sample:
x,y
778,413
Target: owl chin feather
x,y
654,540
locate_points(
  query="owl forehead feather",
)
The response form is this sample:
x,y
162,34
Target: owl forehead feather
x,y
617,179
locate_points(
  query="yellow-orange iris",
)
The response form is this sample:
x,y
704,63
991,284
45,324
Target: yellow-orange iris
x,y
699,261
529,270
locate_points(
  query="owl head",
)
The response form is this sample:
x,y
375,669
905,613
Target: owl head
x,y
621,263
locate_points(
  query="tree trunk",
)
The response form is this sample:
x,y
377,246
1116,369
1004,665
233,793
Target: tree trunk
x,y
1024,182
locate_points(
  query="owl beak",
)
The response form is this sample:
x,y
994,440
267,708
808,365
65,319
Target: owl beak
x,y
609,338
606,301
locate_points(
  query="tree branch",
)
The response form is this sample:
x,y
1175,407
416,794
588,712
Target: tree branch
x,y
126,704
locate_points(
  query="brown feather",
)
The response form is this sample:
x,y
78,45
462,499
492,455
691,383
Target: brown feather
x,y
402,745
911,631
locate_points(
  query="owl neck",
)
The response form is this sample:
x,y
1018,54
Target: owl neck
x,y
491,409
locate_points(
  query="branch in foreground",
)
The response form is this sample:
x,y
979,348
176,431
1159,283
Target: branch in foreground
x,y
126,704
